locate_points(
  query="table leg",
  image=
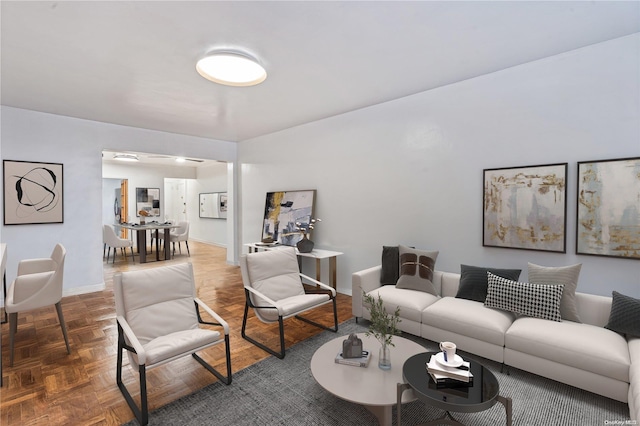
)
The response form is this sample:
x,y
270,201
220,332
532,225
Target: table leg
x,y
382,412
157,244
167,244
508,407
142,245
4,288
401,388
333,272
318,270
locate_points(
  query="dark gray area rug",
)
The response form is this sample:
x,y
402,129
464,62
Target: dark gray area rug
x,y
283,392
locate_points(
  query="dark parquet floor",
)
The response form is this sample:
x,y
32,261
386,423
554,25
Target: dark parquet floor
x,y
47,386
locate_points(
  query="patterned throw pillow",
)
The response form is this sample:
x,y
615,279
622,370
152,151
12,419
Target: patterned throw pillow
x,y
567,275
416,269
473,281
625,315
533,300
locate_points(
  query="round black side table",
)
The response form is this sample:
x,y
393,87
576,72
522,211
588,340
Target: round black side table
x,y
481,395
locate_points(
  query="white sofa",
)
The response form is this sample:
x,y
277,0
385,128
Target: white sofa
x,y
585,355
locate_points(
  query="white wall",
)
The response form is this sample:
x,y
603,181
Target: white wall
x,y
410,171
210,179
78,144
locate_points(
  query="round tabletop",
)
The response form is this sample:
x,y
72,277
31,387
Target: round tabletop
x,y
479,396
367,386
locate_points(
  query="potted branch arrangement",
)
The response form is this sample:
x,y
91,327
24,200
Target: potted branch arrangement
x,y
305,245
383,327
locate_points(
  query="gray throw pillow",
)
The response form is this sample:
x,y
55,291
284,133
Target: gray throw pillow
x,y
625,315
567,275
473,281
532,300
416,269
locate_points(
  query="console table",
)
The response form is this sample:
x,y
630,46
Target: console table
x,y
317,254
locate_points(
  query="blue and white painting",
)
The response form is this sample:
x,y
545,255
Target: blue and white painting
x,y
525,207
609,208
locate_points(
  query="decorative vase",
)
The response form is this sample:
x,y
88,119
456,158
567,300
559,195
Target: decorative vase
x,y
384,357
305,245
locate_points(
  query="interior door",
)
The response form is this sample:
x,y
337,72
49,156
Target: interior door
x,y
124,203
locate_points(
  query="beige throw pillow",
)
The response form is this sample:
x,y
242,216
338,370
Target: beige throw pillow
x,y
567,275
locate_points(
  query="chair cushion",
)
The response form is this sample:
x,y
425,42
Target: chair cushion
x,y
275,273
181,342
293,305
159,301
583,346
469,318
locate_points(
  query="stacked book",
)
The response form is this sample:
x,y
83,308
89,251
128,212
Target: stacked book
x,y
445,376
362,361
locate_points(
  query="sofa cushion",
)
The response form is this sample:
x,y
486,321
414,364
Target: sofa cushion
x,y
583,346
416,269
411,302
533,300
468,318
567,275
390,271
625,315
474,281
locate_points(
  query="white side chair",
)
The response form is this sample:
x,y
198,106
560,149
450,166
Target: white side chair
x,y
158,317
181,234
273,288
111,240
38,284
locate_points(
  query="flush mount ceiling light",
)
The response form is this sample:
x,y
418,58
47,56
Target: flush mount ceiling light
x,y
231,69
125,157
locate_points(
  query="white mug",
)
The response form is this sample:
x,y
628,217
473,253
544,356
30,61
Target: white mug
x,y
449,350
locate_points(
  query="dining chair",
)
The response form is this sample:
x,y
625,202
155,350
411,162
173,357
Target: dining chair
x,y
274,289
38,284
112,240
158,317
181,234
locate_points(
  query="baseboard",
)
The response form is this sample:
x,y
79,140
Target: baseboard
x,y
211,243
74,291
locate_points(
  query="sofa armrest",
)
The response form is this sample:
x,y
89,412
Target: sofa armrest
x,y
365,280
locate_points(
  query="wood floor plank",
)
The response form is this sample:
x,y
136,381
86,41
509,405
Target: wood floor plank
x,y
48,386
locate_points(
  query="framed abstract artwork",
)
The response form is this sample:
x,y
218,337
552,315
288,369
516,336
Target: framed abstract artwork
x,y
33,192
148,200
281,212
608,208
526,208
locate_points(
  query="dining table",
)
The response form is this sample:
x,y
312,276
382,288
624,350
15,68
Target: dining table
x,y
141,237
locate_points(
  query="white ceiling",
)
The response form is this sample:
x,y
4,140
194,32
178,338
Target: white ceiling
x,y
133,63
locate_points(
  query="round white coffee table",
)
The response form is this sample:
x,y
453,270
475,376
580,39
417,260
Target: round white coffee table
x,y
371,387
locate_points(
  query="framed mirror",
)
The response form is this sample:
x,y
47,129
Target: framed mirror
x,y
213,205
148,199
